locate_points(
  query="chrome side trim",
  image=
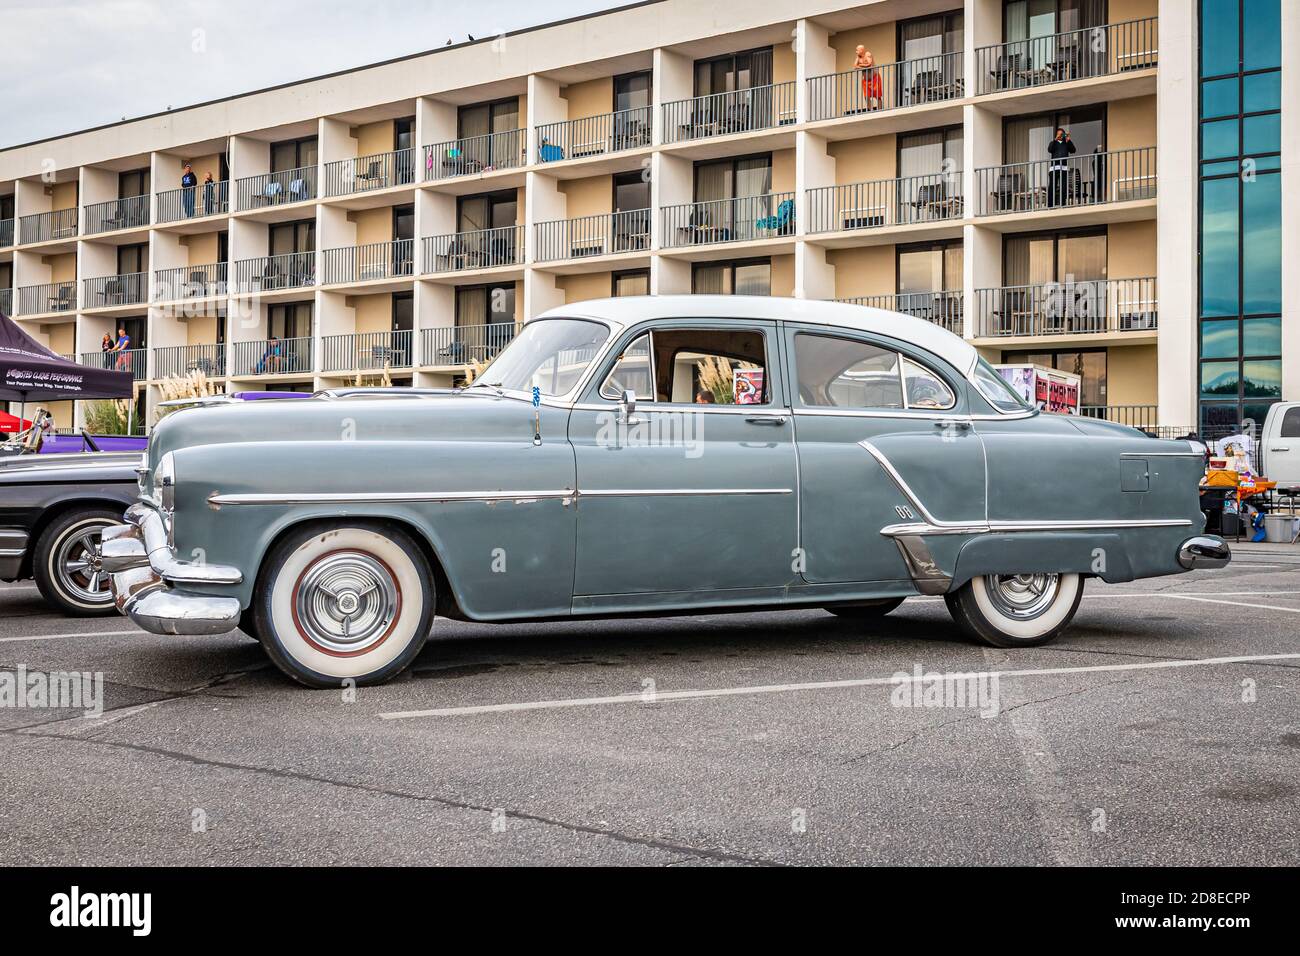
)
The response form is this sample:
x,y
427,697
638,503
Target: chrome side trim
x,y
1013,527
910,415
13,543
681,492
218,500
906,489
145,533
927,576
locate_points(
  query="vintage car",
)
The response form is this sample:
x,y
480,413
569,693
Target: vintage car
x,y
676,454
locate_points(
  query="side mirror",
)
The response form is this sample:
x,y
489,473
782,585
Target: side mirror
x,y
626,407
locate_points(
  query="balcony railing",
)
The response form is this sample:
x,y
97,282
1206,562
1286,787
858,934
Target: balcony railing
x,y
889,86
178,361
190,282
601,235
367,351
463,344
729,220
6,233
1088,180
1060,57
480,249
885,202
1077,307
1138,416
45,226
942,308
266,274
205,199
375,260
51,297
117,214
276,189
471,155
368,173
271,357
7,301
739,111
135,361
129,289
594,135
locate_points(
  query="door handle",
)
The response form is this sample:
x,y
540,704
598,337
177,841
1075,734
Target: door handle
x,y
773,420
1286,448
960,423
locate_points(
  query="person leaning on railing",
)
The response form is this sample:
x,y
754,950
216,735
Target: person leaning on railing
x,y
871,86
1059,149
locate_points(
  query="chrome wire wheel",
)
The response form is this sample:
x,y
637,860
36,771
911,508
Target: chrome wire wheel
x,y
347,602
1023,597
77,565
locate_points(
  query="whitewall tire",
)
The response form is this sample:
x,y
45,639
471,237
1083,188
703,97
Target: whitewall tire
x,y
344,602
1016,610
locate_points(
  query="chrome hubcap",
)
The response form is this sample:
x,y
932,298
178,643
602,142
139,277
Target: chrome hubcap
x,y
1023,596
346,602
77,565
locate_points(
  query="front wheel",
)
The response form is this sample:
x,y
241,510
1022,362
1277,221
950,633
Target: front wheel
x,y
66,563
344,602
1016,610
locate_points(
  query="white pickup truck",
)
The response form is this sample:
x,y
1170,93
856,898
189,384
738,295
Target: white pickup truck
x,y
1279,445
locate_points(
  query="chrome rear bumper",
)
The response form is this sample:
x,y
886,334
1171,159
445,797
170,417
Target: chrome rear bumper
x,y
1204,552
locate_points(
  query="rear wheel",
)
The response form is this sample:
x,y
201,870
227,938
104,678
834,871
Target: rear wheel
x,y
66,563
1016,610
344,602
870,611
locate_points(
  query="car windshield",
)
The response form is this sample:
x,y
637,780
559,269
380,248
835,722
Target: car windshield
x,y
995,388
550,355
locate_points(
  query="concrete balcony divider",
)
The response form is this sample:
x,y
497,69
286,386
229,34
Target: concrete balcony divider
x,y
480,249
463,344
267,273
1075,307
205,199
376,260
368,173
889,86
129,289
885,202
135,361
178,361
116,214
739,111
47,226
471,155
729,220
1091,179
191,282
944,309
594,135
275,189
1101,50
50,297
367,351
600,235
266,357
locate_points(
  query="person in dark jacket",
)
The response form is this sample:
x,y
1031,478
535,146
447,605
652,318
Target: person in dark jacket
x,y
1058,169
188,182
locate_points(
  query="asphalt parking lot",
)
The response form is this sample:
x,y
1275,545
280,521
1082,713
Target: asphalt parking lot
x,y
771,738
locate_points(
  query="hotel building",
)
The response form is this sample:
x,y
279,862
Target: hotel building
x,y
399,221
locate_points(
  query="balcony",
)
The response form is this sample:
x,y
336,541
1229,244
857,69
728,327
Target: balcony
x,y
106,291
891,86
1061,57
135,361
375,260
190,282
1093,179
464,344
367,351
1068,308
885,202
52,297
6,301
472,155
594,135
275,189
178,361
116,215
6,233
271,357
480,249
944,309
729,220
721,114
1144,417
205,199
368,173
48,226
587,236
293,270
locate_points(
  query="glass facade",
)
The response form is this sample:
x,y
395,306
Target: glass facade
x,y
1240,363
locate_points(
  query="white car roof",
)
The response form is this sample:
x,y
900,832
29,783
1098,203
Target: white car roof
x,y
630,310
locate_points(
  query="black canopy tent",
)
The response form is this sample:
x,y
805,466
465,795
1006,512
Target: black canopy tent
x,y
30,371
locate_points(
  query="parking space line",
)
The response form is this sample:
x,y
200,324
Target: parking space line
x,y
64,637
901,677
1208,600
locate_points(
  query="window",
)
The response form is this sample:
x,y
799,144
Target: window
x,y
744,277
1054,257
735,71
738,178
403,222
289,321
631,371
486,305
631,91
293,154
1026,138
929,267
550,355
293,237
693,366
1029,19
995,388
132,259
487,211
1291,424
134,183
635,282
403,311
836,372
501,116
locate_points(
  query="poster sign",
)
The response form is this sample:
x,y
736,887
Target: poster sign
x,y
749,386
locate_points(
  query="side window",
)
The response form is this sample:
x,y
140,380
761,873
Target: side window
x,y
1291,423
845,373
694,366
925,389
632,370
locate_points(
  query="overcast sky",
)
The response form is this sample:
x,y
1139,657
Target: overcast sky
x,y
73,64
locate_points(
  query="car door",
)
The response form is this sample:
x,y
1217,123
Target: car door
x,y
884,439
687,496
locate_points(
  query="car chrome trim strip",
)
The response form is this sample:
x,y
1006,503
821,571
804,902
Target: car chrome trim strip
x,y
218,500
152,540
681,492
1017,527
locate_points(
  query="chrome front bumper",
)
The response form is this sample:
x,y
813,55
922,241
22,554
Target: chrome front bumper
x,y
1204,552
143,570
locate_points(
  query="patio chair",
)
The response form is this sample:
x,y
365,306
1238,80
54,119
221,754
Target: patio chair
x,y
61,301
779,221
1009,187
1007,69
373,175
114,291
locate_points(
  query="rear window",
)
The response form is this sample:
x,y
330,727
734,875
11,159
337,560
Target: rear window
x,y
1291,423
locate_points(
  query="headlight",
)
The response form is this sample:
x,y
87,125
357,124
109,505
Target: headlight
x,y
164,481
